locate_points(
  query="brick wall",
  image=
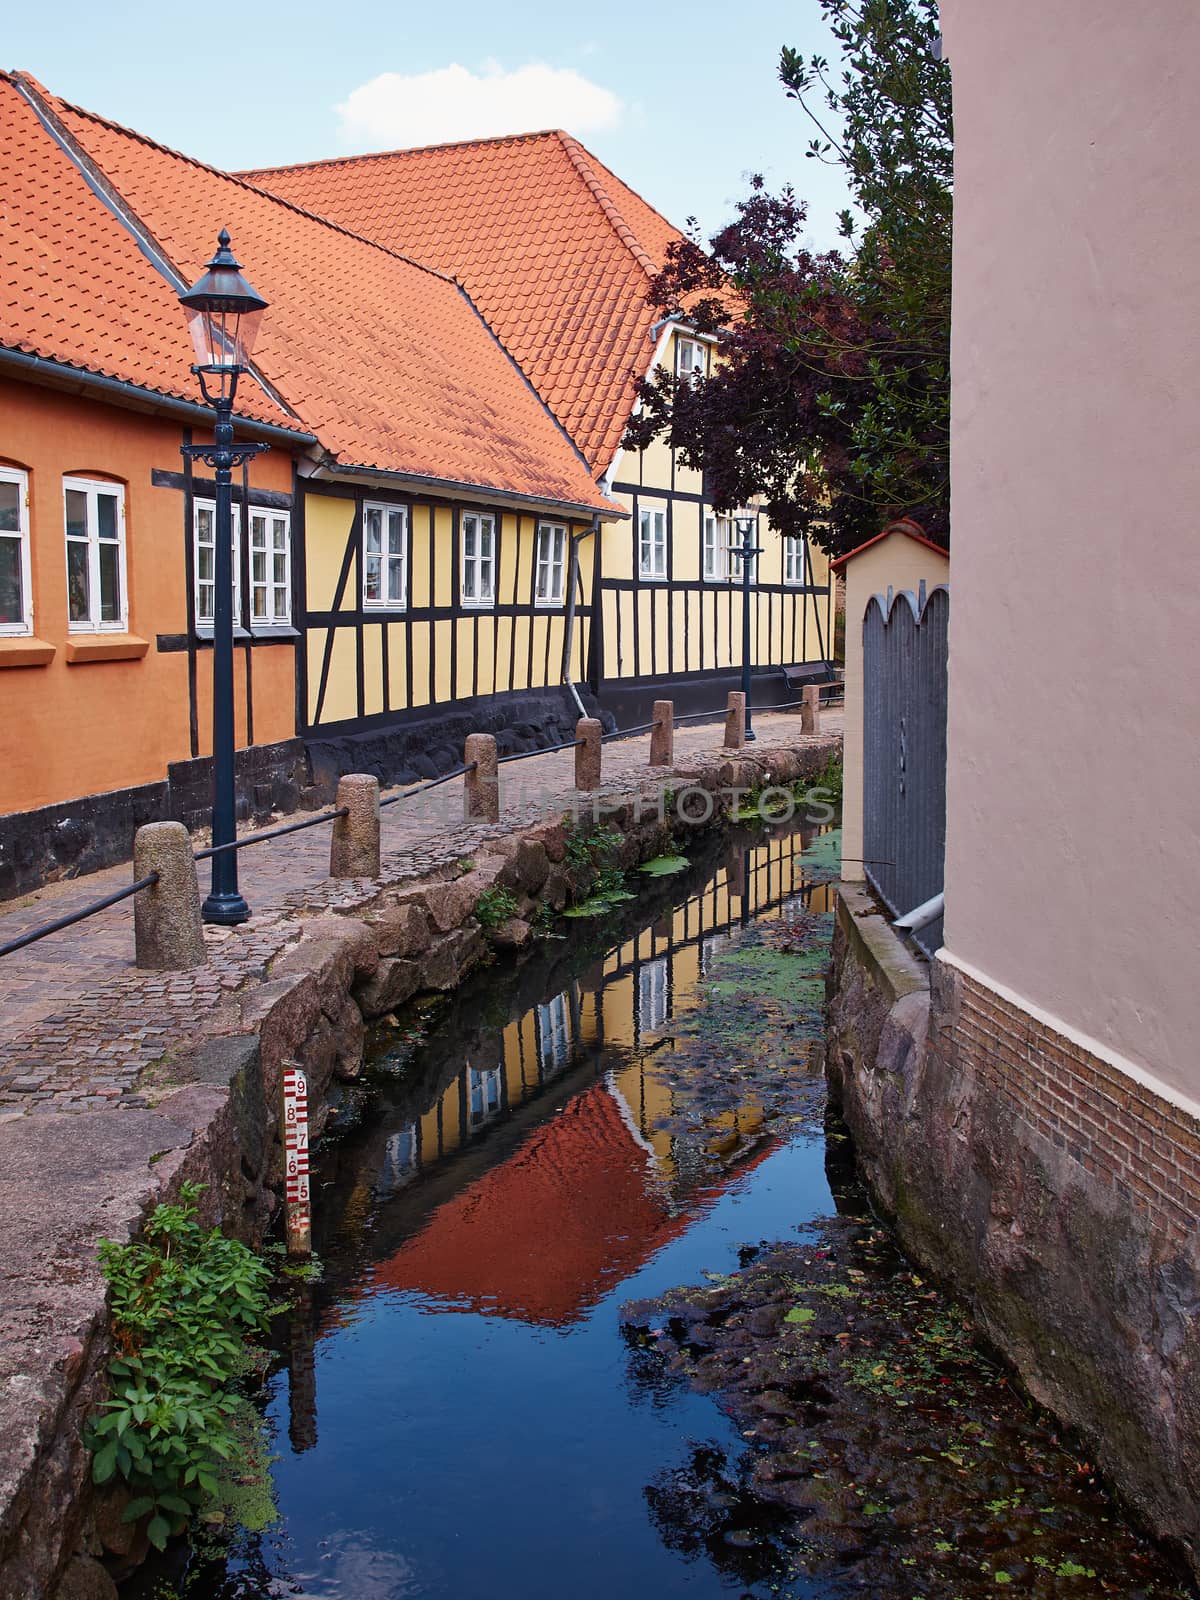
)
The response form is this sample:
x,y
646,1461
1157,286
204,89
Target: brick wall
x,y
1113,1126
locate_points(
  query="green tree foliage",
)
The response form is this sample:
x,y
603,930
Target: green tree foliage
x,y
832,396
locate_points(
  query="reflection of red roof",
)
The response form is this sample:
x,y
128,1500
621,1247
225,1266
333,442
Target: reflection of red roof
x,y
544,1236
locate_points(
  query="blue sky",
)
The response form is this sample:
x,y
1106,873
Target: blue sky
x,y
681,100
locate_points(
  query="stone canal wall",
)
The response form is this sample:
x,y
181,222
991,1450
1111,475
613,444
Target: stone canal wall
x,y
1056,1194
209,1111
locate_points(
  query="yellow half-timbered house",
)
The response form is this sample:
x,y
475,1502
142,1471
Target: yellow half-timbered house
x,y
558,254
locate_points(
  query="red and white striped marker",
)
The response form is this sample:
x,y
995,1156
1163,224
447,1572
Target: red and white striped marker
x,y
295,1158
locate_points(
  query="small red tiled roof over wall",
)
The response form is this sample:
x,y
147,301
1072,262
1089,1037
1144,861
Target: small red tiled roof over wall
x,y
555,250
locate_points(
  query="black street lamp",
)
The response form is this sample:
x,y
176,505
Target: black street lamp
x,y
746,527
223,314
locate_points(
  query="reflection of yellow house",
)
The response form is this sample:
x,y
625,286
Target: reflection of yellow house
x,y
557,253
623,1005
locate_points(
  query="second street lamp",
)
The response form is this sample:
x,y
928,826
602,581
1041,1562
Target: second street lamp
x,y
746,527
223,314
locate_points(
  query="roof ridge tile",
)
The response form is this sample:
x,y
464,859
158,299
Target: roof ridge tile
x,y
578,158
403,150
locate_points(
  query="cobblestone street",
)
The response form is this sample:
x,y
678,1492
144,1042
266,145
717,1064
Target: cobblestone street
x,y
80,1022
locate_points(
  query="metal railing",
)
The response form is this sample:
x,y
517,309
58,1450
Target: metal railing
x,y
105,902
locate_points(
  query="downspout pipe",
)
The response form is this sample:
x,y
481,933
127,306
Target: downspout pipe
x,y
569,632
921,916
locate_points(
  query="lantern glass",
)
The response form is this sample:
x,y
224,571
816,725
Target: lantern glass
x,y
223,335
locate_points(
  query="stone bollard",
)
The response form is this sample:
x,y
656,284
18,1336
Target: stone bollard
x,y
481,786
354,848
735,720
810,709
662,735
168,935
587,753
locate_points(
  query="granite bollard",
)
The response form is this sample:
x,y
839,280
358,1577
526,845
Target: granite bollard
x,y
662,734
481,785
587,753
354,847
810,709
168,935
735,720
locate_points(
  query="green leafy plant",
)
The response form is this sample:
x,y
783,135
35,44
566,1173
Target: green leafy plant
x,y
495,906
184,1302
664,866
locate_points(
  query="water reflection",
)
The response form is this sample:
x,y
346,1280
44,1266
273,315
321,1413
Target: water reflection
x,y
541,1134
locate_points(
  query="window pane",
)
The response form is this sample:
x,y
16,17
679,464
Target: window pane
x,y
11,602
10,507
279,533
396,533
373,524
204,524
76,514
485,579
110,584
372,590
395,580
469,581
279,568
281,604
77,581
106,516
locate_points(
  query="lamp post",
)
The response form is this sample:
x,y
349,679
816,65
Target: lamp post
x,y
223,314
746,555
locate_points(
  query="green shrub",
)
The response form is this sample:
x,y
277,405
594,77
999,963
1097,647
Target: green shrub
x,y
184,1302
495,906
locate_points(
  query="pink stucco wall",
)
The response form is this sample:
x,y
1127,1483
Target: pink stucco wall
x,y
1073,849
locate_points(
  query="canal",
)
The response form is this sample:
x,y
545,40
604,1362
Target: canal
x,y
458,1408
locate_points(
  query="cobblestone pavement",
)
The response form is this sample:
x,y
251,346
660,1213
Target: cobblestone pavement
x,y
78,1022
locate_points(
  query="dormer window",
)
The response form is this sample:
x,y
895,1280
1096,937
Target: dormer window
x,y
691,358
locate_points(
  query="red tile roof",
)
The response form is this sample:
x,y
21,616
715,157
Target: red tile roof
x,y
905,525
555,250
74,286
387,362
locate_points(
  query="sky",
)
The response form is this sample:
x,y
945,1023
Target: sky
x,y
681,100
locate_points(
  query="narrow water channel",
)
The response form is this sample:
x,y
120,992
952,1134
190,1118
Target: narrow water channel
x,y
458,1411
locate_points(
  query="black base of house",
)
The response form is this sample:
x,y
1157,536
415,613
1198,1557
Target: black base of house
x,y
632,703
80,836
409,746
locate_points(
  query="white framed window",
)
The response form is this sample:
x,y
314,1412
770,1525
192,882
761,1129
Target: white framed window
x,y
483,1094
554,1035
550,561
795,560
385,557
478,544
204,523
270,569
652,544
95,526
716,565
691,358
653,995
16,593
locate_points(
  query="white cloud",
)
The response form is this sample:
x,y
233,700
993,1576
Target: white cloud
x,y
397,109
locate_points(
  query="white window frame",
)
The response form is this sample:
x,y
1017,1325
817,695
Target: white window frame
x,y
390,561
795,544
553,1028
93,489
714,556
550,563
20,538
654,995
652,544
691,357
478,568
199,584
273,615
484,1088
